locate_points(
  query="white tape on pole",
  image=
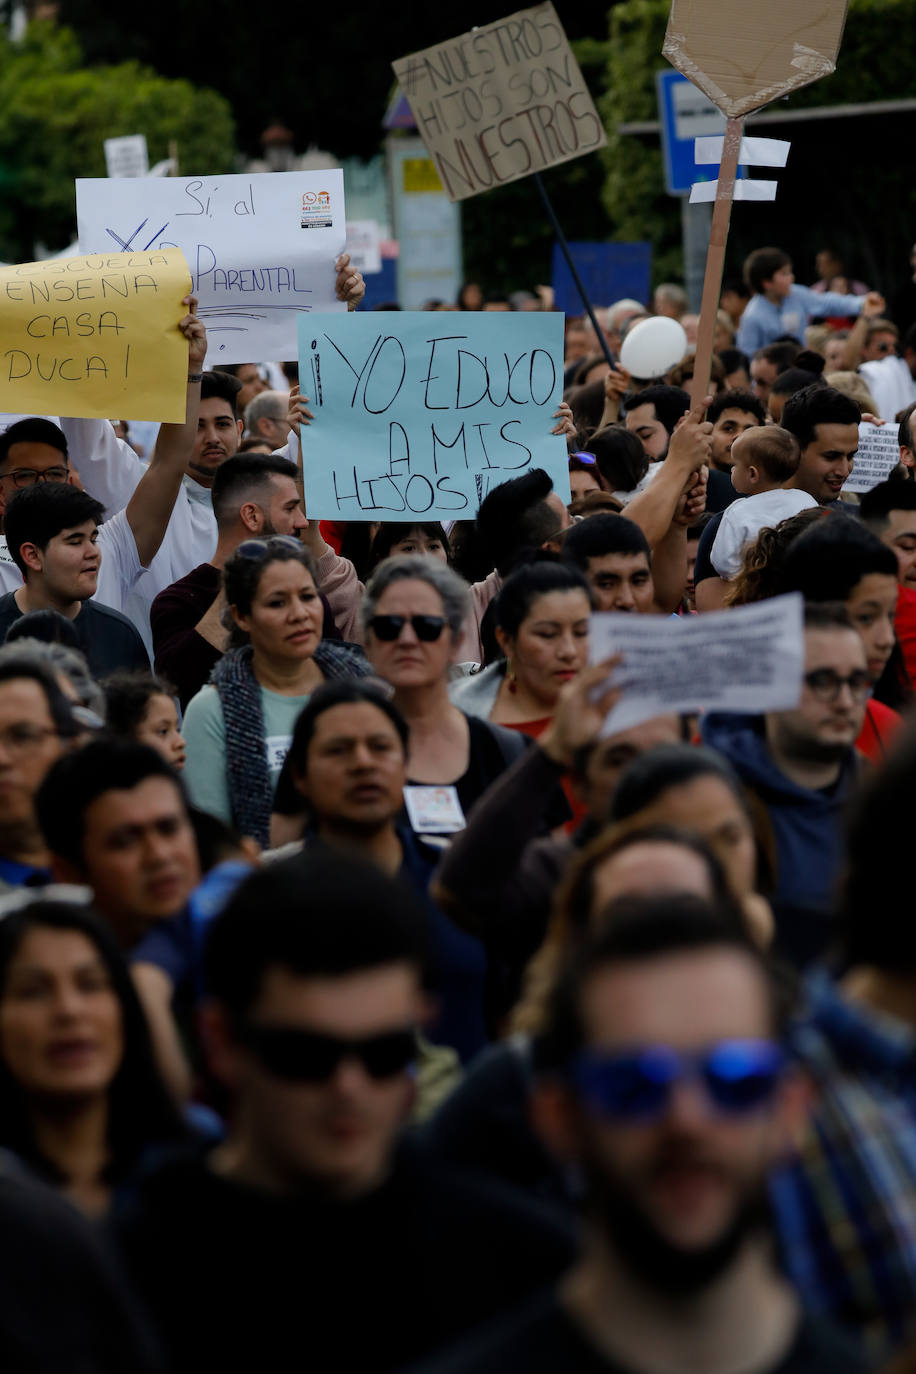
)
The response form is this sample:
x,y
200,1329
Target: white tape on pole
x,y
755,152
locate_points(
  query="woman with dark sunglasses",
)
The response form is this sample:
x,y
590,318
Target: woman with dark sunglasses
x,y
413,612
238,727
81,1101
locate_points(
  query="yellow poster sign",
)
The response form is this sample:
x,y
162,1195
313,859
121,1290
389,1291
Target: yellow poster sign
x,y
95,337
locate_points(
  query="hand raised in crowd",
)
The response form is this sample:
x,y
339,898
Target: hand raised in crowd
x,y
692,502
874,305
298,409
195,331
349,286
567,424
582,709
616,383
691,442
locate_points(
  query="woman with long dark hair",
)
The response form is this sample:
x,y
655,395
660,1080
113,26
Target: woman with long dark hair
x,y
81,1101
237,728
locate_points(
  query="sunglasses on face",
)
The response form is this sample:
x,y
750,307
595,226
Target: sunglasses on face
x,y
301,1056
388,628
738,1076
258,549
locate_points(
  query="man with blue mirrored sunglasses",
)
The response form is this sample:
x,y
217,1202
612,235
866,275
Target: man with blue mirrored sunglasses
x,y
662,1084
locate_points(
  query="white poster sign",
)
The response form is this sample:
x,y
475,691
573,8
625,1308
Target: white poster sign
x,y
877,456
127,157
261,248
748,658
364,244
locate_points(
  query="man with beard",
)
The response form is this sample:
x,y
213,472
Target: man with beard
x,y
663,1083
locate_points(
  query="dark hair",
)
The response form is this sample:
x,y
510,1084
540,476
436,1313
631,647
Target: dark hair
x,y
243,477
242,576
756,580
391,532
647,776
127,697
781,353
223,386
33,430
828,561
343,692
216,840
526,584
16,667
39,512
319,914
584,367
140,1111
762,265
670,402
736,400
619,457
736,284
796,379
587,404
49,626
827,615
774,451
74,782
640,930
876,505
514,519
879,860
904,437
602,534
255,444
575,896
817,405
732,359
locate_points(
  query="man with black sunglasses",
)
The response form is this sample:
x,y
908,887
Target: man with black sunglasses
x,y
663,1084
310,1237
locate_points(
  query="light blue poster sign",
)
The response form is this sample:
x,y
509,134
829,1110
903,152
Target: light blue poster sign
x,y
418,415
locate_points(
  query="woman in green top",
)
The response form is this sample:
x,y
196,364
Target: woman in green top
x,y
239,726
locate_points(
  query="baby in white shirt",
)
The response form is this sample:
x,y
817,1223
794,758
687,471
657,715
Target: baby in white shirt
x,y
764,460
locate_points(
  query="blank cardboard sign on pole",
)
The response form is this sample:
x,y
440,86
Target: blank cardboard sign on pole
x,y
743,54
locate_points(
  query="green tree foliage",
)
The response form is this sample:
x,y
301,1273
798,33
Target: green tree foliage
x,y
55,114
847,182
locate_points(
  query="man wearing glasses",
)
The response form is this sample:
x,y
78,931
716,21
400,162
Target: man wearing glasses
x,y
309,1229
800,768
662,1083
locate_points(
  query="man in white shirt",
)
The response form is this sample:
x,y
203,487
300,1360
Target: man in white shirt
x,y
111,471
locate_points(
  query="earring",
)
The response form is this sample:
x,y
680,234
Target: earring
x,y
511,682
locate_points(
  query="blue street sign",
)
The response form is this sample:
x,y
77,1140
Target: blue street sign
x,y
685,113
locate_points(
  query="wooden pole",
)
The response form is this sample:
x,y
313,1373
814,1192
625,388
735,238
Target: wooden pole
x,y
715,257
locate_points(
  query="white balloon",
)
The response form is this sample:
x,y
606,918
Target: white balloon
x,y
653,346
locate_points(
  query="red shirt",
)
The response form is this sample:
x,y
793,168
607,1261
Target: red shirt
x,y
536,728
878,730
905,626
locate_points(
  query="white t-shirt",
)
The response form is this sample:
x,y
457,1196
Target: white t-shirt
x,y
119,572
743,520
890,383
110,471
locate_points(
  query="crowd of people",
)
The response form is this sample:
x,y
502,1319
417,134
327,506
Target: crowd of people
x,y
362,1000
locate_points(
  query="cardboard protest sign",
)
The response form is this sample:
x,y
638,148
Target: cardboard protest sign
x,y
261,248
418,415
743,55
876,457
748,658
95,337
501,102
